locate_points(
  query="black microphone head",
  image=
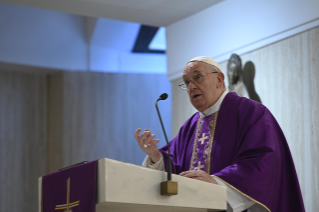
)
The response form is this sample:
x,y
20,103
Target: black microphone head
x,y
163,96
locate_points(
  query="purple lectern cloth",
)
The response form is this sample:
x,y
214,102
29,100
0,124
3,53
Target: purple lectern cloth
x,y
82,188
249,153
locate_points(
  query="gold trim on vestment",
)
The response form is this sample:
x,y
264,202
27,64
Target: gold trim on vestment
x,y
194,154
243,193
212,140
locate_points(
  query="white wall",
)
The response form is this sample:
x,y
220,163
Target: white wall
x,y
236,26
42,38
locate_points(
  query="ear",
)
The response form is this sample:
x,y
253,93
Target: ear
x,y
220,80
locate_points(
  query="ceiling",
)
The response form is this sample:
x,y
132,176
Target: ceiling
x,y
147,12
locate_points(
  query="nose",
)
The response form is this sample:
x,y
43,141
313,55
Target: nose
x,y
191,85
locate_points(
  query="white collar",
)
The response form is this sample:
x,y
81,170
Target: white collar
x,y
215,107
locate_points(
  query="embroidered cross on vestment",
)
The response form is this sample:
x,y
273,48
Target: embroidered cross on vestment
x,y
203,138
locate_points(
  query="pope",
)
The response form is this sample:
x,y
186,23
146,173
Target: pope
x,y
231,141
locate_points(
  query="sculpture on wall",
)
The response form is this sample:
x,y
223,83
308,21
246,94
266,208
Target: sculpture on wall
x,y
241,80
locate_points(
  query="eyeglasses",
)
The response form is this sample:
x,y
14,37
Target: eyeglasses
x,y
196,79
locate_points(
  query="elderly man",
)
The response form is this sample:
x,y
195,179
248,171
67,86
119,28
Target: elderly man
x,y
230,141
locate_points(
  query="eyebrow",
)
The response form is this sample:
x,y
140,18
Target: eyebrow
x,y
196,72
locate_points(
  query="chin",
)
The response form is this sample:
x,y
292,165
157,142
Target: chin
x,y
200,108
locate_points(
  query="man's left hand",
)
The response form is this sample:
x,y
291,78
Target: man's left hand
x,y
199,175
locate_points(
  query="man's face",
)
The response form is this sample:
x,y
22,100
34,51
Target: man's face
x,y
205,94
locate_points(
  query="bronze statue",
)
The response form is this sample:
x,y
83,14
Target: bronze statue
x,y
241,80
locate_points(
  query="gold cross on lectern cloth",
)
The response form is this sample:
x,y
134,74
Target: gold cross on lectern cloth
x,y
68,205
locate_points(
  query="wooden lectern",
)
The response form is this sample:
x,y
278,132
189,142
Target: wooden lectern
x,y
123,187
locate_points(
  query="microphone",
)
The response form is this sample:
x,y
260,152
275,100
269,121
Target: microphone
x,y
168,187
162,97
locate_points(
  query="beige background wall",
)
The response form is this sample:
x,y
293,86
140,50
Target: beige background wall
x,y
23,146
95,115
287,76
49,121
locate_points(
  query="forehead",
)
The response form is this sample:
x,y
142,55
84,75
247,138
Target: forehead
x,y
194,67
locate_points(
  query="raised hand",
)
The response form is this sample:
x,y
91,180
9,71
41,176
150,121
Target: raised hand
x,y
148,144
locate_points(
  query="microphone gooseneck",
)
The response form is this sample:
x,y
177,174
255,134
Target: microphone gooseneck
x,y
169,166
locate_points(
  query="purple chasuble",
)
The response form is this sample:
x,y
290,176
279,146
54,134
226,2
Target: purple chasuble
x,y
248,152
70,190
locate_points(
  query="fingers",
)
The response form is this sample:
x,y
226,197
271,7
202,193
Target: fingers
x,y
145,134
153,143
145,139
193,173
190,174
140,139
195,176
199,175
137,134
156,141
148,140
138,131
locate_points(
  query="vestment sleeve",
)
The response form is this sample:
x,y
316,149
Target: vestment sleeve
x,y
159,165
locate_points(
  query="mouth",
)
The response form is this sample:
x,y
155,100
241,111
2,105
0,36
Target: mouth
x,y
196,96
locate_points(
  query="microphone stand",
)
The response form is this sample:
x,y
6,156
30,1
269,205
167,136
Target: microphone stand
x,y
169,187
